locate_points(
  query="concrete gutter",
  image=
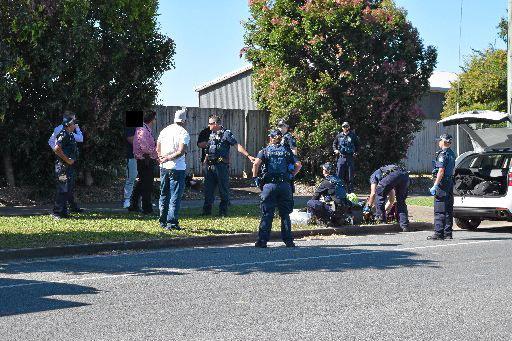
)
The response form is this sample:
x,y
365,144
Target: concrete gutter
x,y
220,240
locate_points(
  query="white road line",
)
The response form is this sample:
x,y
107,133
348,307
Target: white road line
x,y
275,261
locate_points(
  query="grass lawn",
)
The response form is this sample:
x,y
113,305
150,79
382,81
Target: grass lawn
x,y
38,231
421,201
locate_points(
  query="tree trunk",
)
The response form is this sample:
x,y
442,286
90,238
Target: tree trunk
x,y
8,169
88,178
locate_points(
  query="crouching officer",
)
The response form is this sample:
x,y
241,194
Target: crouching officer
x,y
444,166
345,145
217,165
332,191
382,182
67,151
280,167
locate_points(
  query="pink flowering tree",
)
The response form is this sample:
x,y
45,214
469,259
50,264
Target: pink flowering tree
x,y
321,62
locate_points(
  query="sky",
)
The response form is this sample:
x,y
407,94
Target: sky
x,y
209,35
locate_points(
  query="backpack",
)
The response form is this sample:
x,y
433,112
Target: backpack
x,y
486,187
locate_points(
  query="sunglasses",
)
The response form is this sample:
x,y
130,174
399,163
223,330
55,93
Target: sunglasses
x,y
211,123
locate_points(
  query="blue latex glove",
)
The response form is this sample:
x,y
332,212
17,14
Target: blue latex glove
x,y
367,209
434,189
256,181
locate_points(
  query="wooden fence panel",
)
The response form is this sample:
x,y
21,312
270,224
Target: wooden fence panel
x,y
249,128
422,151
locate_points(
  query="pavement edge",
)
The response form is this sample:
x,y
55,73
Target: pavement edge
x,y
239,238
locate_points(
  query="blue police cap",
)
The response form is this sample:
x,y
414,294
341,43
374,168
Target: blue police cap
x,y
275,133
329,167
282,123
68,120
445,137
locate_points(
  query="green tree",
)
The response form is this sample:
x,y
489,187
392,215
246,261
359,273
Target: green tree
x,y
321,62
98,58
483,84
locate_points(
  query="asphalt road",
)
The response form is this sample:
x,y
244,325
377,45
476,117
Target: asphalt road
x,y
384,287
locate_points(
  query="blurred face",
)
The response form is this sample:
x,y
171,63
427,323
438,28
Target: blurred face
x,y
214,126
283,128
325,172
345,129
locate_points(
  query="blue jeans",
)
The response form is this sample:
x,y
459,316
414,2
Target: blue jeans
x,y
172,185
131,175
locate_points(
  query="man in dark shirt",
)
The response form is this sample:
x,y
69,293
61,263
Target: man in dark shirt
x,y
202,141
67,152
332,191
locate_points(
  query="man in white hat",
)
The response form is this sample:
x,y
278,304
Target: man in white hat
x,y
171,147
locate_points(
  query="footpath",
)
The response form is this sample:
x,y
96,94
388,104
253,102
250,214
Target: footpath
x,y
421,219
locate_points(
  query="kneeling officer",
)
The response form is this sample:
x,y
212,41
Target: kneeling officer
x,y
331,190
276,190
382,182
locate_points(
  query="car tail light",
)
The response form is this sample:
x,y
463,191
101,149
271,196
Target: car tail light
x,y
510,179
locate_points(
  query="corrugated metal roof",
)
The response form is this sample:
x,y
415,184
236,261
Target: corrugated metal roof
x,y
223,78
439,81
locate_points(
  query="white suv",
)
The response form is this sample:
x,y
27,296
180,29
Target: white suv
x,y
483,177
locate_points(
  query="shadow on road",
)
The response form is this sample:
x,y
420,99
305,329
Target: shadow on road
x,y
237,259
25,296
19,296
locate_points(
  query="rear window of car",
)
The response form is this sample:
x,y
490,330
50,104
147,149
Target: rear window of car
x,y
487,161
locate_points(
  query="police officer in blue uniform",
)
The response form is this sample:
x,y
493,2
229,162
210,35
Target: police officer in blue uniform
x,y
217,165
280,167
345,145
67,151
331,190
287,139
382,182
444,166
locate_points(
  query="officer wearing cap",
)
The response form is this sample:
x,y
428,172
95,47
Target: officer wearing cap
x,y
330,190
67,152
384,181
287,139
444,166
345,145
280,167
217,165
79,137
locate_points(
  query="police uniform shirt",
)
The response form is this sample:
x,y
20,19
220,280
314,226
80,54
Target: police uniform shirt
x,y
289,140
380,173
67,142
446,159
79,137
277,159
220,142
327,189
346,143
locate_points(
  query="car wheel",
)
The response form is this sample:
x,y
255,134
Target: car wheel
x,y
467,224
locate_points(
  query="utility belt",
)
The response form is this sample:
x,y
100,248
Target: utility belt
x,y
275,178
346,154
210,161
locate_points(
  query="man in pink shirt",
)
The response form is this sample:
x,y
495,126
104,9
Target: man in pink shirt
x,y
144,150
